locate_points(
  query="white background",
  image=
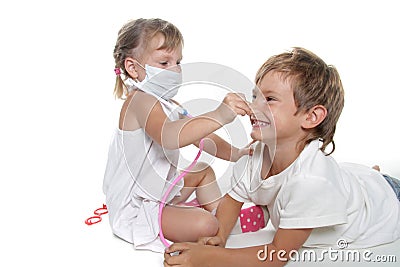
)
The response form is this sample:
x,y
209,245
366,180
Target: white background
x,y
58,111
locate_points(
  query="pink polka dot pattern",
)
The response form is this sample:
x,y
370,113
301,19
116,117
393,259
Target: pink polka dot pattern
x,y
252,219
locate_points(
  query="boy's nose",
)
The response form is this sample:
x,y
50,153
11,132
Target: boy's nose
x,y
252,105
259,104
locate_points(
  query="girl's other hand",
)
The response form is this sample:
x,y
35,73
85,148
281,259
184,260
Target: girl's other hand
x,y
247,150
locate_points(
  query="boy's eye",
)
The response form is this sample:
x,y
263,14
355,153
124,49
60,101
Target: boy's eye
x,y
164,63
254,97
268,98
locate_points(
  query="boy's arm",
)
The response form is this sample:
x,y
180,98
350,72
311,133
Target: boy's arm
x,y
227,214
274,254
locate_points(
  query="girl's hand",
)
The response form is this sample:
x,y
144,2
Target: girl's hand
x,y
233,104
190,255
247,150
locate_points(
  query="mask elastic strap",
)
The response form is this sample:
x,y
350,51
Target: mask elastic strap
x,y
140,64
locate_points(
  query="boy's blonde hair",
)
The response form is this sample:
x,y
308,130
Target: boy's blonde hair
x,y
133,39
313,83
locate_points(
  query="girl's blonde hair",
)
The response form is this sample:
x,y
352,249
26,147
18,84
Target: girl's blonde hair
x,y
313,83
133,39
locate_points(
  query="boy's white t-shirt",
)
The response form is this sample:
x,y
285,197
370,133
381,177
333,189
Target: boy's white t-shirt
x,y
339,201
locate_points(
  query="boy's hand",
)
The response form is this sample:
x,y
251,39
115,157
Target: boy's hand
x,y
212,241
190,254
233,104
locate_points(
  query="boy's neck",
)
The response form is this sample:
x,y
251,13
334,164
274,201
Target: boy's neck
x,y
284,156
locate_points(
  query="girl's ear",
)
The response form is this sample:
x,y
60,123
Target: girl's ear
x,y
314,117
130,67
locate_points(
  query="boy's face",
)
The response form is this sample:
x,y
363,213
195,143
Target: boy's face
x,y
274,111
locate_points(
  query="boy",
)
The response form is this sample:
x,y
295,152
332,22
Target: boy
x,y
313,201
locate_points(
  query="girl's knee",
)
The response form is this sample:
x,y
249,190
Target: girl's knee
x,y
207,225
205,168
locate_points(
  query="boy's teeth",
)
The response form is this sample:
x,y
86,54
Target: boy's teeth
x,y
260,123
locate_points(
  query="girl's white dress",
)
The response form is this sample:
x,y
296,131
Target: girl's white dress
x,y
136,177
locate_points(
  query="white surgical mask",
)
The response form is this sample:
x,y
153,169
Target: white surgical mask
x,y
160,82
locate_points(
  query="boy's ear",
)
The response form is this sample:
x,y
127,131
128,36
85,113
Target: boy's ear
x,y
130,67
314,117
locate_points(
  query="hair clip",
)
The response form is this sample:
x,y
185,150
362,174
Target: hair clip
x,y
117,71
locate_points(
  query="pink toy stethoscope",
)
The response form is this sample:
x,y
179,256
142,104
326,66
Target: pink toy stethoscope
x,y
180,177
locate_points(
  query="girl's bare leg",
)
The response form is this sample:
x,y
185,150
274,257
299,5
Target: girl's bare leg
x,y
202,180
187,224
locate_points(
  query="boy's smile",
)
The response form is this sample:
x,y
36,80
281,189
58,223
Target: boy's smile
x,y
256,123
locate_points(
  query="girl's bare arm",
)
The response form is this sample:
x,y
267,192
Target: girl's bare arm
x,y
180,133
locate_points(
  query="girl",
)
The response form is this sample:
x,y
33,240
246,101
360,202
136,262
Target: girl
x,y
144,150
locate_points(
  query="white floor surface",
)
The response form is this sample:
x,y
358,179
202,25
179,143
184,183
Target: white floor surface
x,y
98,247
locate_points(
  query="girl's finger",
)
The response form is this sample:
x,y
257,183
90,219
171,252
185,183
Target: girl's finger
x,y
243,107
